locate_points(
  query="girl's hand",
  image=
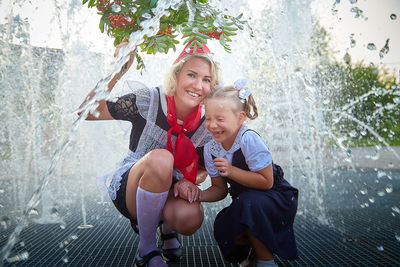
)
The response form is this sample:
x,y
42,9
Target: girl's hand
x,y
223,166
187,190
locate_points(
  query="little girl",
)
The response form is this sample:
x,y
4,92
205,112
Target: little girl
x,y
259,221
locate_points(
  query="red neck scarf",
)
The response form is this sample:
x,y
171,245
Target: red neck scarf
x,y
185,155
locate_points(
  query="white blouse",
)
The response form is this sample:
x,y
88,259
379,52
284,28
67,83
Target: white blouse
x,y
254,150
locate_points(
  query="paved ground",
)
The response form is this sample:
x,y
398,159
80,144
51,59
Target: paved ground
x,y
354,236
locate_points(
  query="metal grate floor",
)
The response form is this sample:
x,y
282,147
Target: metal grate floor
x,y
361,237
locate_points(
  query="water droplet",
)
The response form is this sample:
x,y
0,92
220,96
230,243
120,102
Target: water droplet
x,y
385,49
389,189
353,133
19,257
65,259
115,8
5,222
73,237
33,211
358,12
396,209
176,5
379,248
146,16
364,191
85,226
397,237
133,9
371,46
54,212
381,174
381,193
63,226
352,41
393,16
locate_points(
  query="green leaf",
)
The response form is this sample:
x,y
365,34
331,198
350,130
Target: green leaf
x,y
230,28
153,3
101,25
222,41
202,35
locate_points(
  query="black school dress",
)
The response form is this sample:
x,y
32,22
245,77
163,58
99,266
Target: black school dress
x,y
269,214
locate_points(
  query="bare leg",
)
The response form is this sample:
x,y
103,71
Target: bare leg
x,y
182,216
153,173
147,191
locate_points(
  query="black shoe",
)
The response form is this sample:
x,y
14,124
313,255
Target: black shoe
x,y
170,254
143,261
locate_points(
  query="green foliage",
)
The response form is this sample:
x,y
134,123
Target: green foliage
x,y
367,102
197,21
363,100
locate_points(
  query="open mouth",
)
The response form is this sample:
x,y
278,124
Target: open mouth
x,y
217,133
192,94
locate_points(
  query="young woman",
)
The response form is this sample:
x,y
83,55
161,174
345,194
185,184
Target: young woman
x,y
167,131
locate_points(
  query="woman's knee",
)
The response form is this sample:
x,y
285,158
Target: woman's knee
x,y
188,221
160,162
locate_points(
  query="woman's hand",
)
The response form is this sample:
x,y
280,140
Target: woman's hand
x,y
187,190
223,166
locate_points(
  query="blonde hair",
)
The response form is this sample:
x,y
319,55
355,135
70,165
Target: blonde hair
x,y
170,78
231,93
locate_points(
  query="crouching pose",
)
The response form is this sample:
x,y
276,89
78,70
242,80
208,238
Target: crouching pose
x,y
259,221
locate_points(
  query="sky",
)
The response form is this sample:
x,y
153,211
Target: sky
x,y
378,22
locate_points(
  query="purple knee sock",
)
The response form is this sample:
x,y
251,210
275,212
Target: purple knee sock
x,y
169,243
149,206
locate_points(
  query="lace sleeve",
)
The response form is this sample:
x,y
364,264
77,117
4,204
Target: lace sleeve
x,y
129,100
123,108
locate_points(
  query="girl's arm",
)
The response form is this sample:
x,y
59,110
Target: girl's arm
x,y
102,108
217,191
262,179
201,174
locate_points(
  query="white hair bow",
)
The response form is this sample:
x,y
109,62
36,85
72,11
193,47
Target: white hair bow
x,y
244,92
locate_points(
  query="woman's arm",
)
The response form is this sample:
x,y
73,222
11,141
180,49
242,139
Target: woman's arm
x,y
217,191
103,112
262,179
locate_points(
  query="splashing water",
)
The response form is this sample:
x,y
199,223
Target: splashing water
x,y
150,27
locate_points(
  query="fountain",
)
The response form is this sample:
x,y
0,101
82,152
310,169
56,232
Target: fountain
x,y
50,158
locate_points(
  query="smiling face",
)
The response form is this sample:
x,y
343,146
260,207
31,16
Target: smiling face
x,y
223,121
193,85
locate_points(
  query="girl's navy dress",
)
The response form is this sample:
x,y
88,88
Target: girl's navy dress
x,y
269,214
